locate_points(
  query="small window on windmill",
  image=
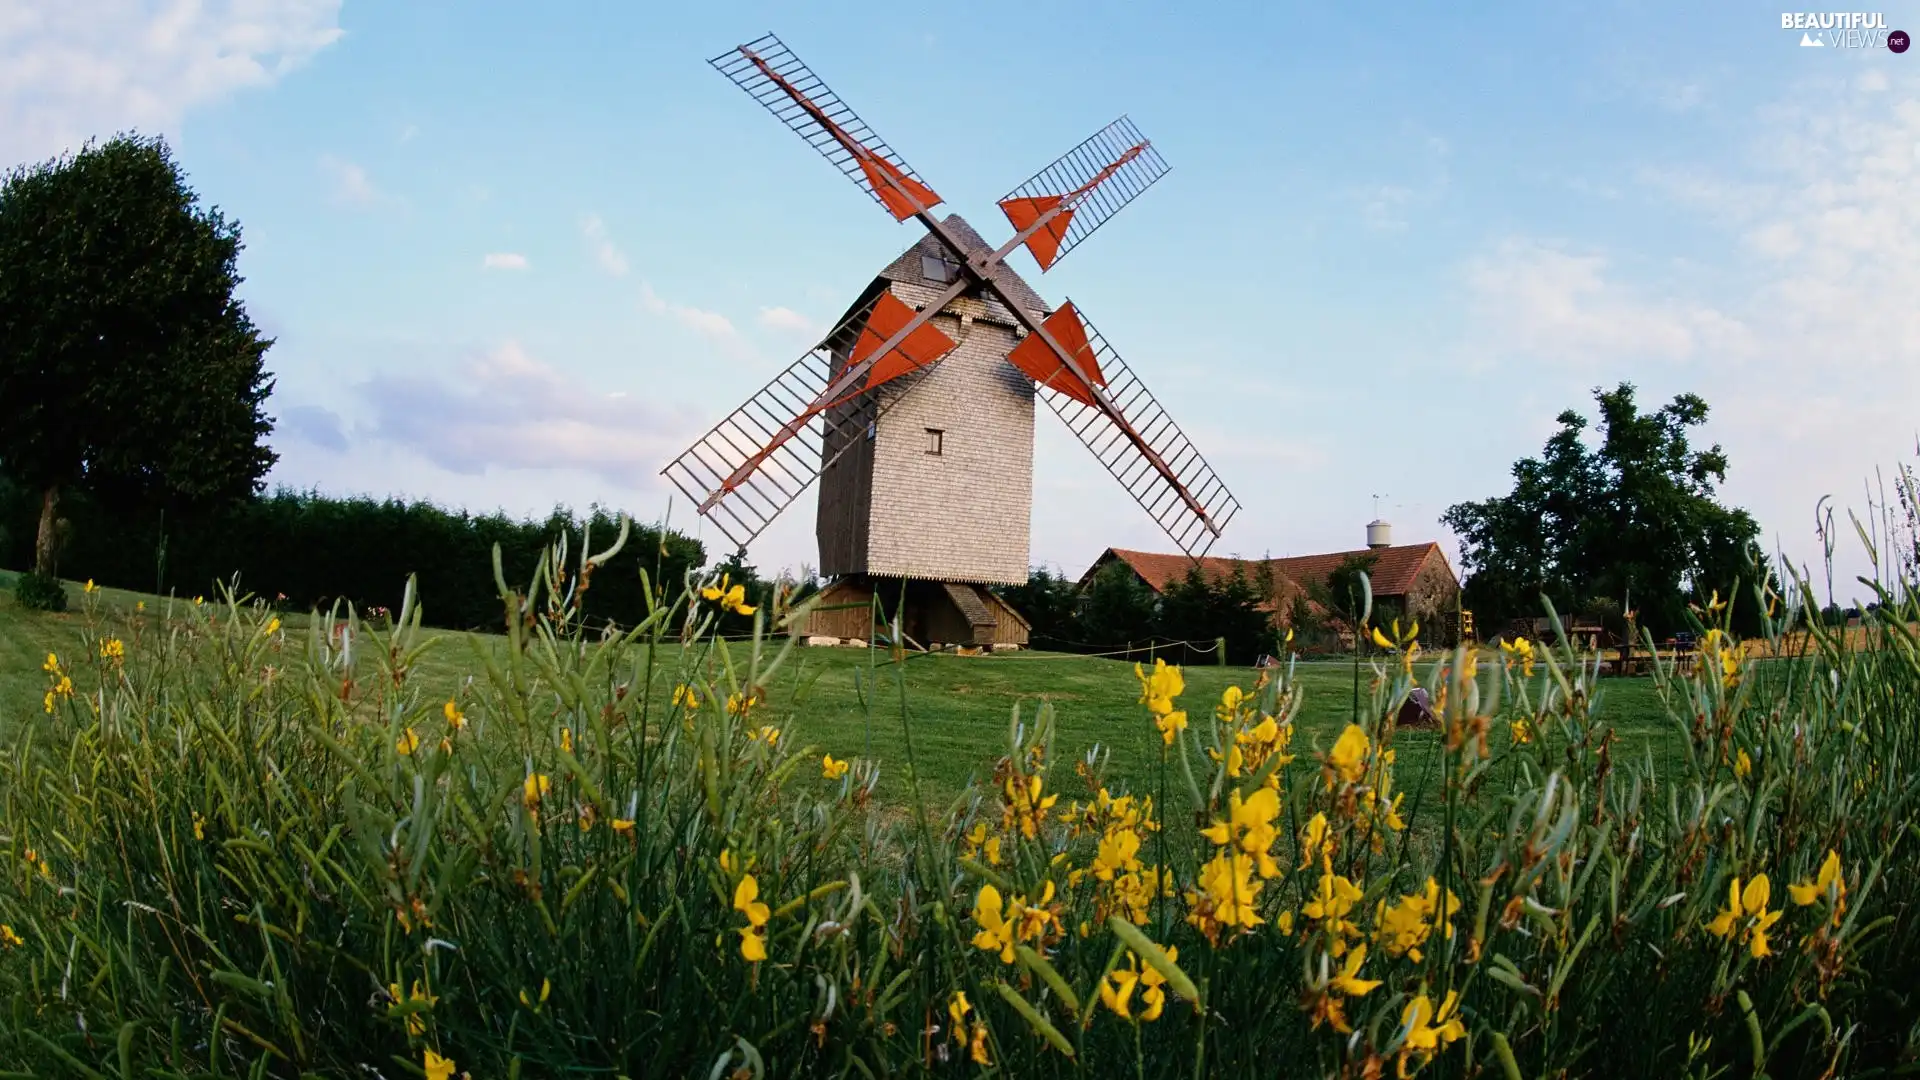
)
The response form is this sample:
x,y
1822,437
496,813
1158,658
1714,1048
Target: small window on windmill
x,y
870,430
937,269
936,441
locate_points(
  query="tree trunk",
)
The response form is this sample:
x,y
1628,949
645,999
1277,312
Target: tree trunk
x,y
46,546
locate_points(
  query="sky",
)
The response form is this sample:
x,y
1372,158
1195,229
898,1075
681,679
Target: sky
x,y
519,256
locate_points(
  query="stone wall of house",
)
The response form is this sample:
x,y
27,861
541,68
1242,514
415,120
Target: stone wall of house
x,y
1433,595
964,514
891,508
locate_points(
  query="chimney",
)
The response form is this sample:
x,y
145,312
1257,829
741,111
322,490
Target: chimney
x,y
1379,534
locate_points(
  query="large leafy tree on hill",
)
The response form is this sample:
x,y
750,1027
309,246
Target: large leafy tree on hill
x,y
127,365
1625,521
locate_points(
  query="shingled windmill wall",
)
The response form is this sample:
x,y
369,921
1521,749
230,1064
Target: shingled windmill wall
x,y
888,507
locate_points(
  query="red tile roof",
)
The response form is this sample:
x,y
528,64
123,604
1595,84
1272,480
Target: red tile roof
x,y
1393,571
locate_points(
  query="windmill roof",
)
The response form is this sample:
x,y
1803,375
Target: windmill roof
x,y
907,269
1393,573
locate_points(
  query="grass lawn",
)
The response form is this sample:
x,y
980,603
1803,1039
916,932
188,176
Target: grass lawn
x,y
958,707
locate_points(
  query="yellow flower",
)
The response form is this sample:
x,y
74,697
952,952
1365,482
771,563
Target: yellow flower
x,y
416,1021
1227,895
1429,1030
198,600
1348,981
1746,917
1522,731
139,605
686,697
753,936
1170,725
546,988
1405,927
407,743
455,718
536,786
1116,990
1134,891
977,1049
1380,639
1830,882
1158,690
1025,805
979,843
89,587
1249,828
1522,650
1118,854
831,769
199,826
730,597
10,939
738,704
1347,761
566,739
52,666
273,625
621,825
438,1068
113,649
995,933
1742,765
1229,706
1004,925
1332,901
957,1009
1316,842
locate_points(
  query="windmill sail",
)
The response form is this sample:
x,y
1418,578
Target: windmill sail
x,y
1082,190
1193,517
754,463
769,72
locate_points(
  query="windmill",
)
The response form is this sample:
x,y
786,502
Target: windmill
x,y
916,411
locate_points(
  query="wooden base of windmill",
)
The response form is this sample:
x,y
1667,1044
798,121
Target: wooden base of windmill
x,y
933,614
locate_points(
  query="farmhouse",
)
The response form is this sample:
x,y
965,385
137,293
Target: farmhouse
x,y
1409,579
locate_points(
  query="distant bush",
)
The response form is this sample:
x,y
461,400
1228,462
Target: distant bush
x,y
1116,612
303,549
39,592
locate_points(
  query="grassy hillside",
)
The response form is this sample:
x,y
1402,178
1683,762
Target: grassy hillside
x,y
959,706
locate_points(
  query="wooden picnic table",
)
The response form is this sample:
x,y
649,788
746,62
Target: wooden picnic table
x,y
1684,657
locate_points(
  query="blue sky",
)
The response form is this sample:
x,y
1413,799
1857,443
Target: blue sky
x,y
516,257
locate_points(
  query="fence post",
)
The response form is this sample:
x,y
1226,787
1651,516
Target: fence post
x,y
1220,648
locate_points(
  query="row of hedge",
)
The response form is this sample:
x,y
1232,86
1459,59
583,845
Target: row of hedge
x,y
311,549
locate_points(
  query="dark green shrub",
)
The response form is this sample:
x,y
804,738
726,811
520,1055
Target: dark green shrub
x,y
40,592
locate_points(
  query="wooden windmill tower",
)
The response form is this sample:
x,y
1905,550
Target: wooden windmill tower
x,y
916,412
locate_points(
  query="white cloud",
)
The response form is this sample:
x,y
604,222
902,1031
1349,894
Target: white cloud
x,y
709,324
78,69
787,319
507,410
1538,301
1809,361
504,260
351,184
609,256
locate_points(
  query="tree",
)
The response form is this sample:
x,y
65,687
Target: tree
x,y
1201,608
1341,595
1630,521
127,366
1050,603
1118,607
